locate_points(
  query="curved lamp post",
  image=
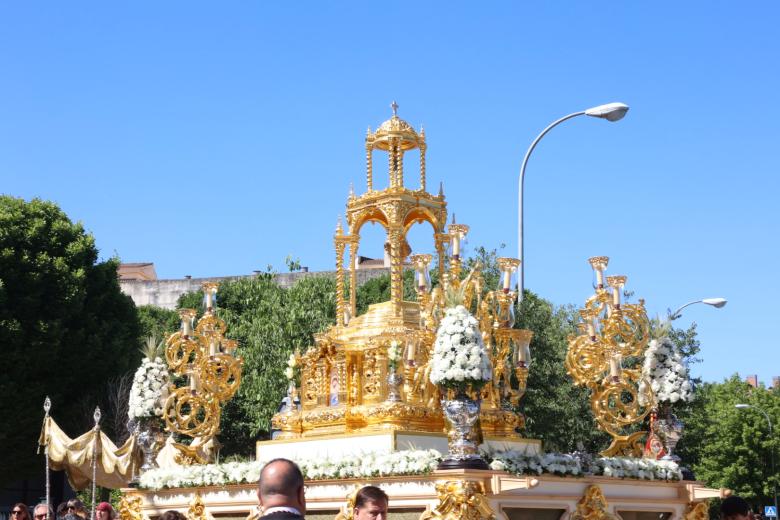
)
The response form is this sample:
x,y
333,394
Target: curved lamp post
x,y
610,112
743,406
715,302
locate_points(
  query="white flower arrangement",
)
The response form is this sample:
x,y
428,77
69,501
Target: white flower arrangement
x,y
149,390
363,465
290,372
631,467
459,355
665,371
407,462
521,463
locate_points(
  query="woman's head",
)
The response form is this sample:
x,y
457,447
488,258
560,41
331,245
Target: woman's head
x,y
104,511
20,512
77,506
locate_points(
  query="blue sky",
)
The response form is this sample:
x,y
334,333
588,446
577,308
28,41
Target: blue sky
x,y
217,138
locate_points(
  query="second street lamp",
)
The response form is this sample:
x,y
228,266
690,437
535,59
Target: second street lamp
x,y
610,112
714,302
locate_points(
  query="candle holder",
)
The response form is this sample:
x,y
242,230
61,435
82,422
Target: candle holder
x,y
606,358
208,360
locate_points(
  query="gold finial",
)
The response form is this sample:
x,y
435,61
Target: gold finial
x,y
351,190
441,189
339,229
368,131
394,106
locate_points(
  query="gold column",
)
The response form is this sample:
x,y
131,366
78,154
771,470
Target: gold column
x,y
369,164
391,167
395,236
353,249
340,245
399,164
422,166
441,240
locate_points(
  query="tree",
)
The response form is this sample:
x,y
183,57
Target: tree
x,y
65,326
731,448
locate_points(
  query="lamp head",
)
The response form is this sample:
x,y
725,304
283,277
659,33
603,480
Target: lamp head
x,y
610,111
715,302
741,406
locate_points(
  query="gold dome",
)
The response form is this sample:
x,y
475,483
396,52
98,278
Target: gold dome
x,y
395,128
395,125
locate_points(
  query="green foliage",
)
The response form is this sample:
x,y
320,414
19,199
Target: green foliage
x,y
156,322
269,322
732,448
65,328
557,411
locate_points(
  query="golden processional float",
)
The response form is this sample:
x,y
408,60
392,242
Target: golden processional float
x,y
348,385
357,396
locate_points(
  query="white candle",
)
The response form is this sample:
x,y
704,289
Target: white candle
x,y
421,278
614,366
456,244
194,382
209,297
523,354
507,279
599,278
186,326
616,296
591,330
213,347
411,350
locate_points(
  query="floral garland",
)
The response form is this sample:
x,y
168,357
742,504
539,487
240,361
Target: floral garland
x,y
520,463
365,465
459,356
665,371
409,462
149,390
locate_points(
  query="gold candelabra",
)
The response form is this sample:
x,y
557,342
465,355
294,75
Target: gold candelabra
x,y
201,353
607,358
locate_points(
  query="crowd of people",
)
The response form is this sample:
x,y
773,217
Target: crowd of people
x,y
281,497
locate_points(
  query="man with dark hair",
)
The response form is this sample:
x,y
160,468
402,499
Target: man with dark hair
x,y
735,508
371,503
280,491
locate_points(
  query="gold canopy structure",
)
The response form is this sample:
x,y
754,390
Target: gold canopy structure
x,y
344,375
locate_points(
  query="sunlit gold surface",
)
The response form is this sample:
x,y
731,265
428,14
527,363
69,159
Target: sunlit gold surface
x,y
610,330
130,508
593,506
343,385
206,357
460,500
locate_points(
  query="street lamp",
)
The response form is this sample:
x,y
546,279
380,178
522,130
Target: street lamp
x,y
714,302
742,406
610,112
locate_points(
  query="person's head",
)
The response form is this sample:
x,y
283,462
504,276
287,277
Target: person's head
x,y
281,485
104,511
20,512
62,509
76,506
735,508
42,512
172,515
371,503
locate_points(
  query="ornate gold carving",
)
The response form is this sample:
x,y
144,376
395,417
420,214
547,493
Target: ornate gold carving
x,y
697,511
208,359
612,335
130,508
460,500
347,510
197,510
352,354
593,506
